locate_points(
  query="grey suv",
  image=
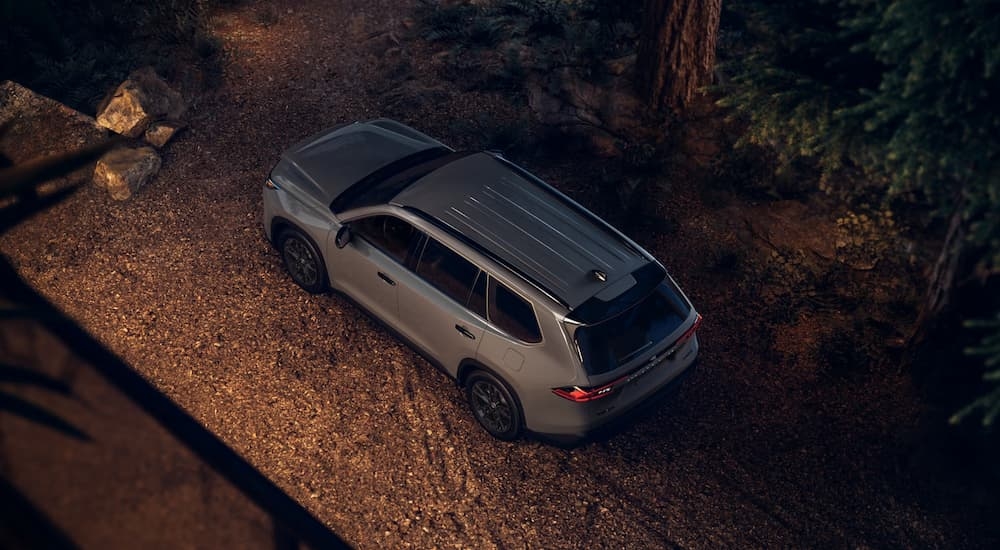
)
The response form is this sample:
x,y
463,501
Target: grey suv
x,y
550,319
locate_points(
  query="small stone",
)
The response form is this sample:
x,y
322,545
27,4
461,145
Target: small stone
x,y
159,133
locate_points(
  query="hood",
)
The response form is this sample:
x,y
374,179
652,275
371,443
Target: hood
x,y
326,164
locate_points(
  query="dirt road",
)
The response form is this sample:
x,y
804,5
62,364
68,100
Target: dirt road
x,y
378,444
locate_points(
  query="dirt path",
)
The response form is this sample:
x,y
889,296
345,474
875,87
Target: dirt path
x,y
378,444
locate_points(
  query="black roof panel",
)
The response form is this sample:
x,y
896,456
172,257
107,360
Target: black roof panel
x,y
527,224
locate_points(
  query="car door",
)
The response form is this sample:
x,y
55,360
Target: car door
x,y
369,267
443,309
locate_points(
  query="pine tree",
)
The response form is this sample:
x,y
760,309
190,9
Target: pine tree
x,y
902,89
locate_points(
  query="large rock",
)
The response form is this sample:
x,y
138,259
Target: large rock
x,y
143,98
124,171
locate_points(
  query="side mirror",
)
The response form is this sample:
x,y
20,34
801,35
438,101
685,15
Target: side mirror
x,y
343,236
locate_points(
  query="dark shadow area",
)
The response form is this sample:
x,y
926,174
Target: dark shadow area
x,y
76,51
24,525
292,524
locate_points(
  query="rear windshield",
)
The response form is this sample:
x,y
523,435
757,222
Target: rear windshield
x,y
615,342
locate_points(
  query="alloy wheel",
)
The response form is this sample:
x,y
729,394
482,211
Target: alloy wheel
x,y
491,407
301,262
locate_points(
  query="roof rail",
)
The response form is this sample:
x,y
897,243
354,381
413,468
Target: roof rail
x,y
570,203
440,224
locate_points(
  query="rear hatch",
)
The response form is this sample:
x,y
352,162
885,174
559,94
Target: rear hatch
x,y
634,333
636,338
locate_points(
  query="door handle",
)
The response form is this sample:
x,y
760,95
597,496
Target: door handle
x,y
465,332
386,278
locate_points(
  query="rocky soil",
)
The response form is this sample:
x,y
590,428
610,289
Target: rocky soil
x,y
762,448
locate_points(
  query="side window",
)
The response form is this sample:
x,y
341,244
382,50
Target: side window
x,y
390,235
447,271
477,300
513,314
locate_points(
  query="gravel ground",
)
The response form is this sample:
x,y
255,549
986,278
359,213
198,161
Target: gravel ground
x,y
377,443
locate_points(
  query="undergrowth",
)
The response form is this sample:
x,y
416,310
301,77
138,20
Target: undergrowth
x,y
561,32
76,52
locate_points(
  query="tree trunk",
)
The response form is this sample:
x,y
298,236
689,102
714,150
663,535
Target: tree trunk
x,y
942,283
676,50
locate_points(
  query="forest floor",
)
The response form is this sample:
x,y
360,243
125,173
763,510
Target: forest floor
x,y
769,444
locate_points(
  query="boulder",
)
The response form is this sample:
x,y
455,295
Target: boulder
x,y
159,133
124,171
143,98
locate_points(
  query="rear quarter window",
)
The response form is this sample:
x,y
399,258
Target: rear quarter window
x,y
513,314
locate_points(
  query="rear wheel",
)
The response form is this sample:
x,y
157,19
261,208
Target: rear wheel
x,y
302,260
494,405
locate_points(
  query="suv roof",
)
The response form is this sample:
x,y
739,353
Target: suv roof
x,y
528,225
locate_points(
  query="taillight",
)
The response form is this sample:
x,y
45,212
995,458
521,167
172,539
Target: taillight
x,y
687,335
579,394
582,395
270,184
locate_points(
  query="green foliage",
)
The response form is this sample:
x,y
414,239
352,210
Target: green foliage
x,y
491,41
988,405
610,11
76,51
486,25
901,91
601,22
71,78
801,71
898,88
546,16
448,23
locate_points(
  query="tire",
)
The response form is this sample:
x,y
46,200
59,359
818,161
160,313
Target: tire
x,y
494,405
302,261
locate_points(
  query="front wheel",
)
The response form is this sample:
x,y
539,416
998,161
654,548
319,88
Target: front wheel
x,y
493,405
302,260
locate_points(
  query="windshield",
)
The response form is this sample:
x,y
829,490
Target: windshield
x,y
382,185
613,343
